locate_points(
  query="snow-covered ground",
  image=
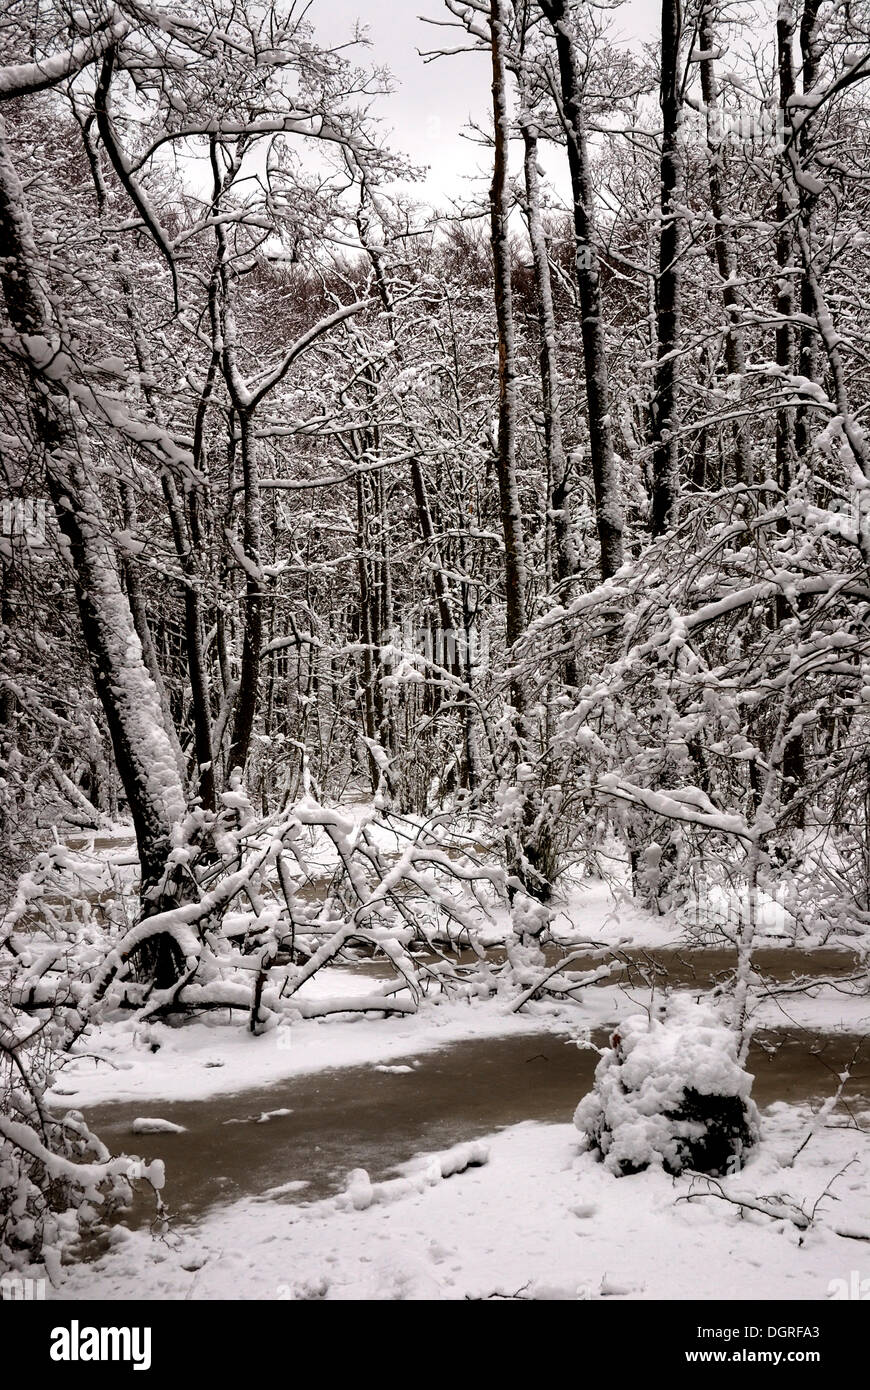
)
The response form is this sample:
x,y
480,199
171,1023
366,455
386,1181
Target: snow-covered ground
x,y
540,1219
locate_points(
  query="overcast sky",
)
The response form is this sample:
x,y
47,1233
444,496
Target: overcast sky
x,y
433,101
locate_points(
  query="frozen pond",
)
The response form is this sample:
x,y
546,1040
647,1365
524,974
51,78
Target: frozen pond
x,y
237,1145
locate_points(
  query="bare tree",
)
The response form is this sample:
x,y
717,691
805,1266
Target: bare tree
x,y
605,472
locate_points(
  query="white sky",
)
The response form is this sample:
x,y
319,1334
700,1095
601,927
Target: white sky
x,y
434,101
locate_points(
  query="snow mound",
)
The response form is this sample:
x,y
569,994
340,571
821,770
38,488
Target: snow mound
x,y
670,1092
530,918
144,1125
361,1193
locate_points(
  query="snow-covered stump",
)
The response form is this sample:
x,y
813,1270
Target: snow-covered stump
x,y
530,920
525,960
530,929
525,975
671,1091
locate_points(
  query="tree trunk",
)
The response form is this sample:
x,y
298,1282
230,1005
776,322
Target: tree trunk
x,y
784,248
808,346
605,470
252,640
143,751
726,257
565,564
665,422
511,514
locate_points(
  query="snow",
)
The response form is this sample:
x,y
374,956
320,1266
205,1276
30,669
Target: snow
x,y
633,1113
124,1060
540,1219
206,1058
655,714
360,1192
522,1212
143,1125
20,78
262,1119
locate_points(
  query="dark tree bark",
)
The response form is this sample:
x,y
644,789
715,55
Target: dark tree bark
x,y
565,561
224,334
726,257
252,641
509,500
665,421
784,297
605,471
808,345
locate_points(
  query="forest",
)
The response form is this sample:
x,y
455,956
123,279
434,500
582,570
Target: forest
x,y
434,635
